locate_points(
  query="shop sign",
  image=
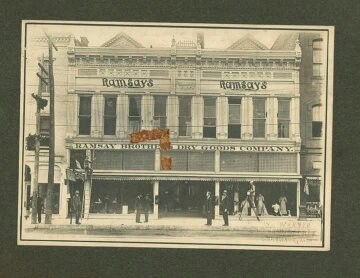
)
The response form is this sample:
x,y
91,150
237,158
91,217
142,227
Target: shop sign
x,y
127,83
243,85
113,146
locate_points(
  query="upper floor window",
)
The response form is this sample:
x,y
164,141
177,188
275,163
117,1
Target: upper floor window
x,y
159,111
85,115
317,61
209,128
283,118
234,125
316,121
134,113
259,118
44,130
110,115
184,115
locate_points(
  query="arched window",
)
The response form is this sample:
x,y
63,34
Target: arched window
x,y
317,121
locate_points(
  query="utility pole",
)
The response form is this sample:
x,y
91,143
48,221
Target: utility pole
x,y
50,187
40,104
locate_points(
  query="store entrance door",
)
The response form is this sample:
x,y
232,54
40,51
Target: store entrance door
x,y
183,198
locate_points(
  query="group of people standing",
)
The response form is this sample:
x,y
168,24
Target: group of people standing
x,y
142,205
246,205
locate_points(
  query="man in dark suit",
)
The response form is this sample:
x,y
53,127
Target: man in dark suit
x,y
76,206
138,207
39,206
209,206
225,205
147,207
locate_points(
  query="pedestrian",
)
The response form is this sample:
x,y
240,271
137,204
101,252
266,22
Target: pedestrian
x,y
282,202
147,206
261,208
209,206
225,204
39,206
76,206
250,199
138,207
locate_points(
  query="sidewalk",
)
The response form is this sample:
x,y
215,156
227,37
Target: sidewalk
x,y
269,224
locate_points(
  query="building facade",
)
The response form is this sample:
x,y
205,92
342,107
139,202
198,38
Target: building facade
x,y
234,115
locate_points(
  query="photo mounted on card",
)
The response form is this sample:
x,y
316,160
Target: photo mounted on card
x,y
175,135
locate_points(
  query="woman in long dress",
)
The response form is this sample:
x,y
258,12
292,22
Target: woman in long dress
x,y
282,202
261,208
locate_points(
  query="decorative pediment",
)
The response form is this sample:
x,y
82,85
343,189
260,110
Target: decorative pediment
x,y
247,42
122,40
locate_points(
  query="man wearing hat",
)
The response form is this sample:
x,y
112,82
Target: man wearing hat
x,y
147,207
209,206
76,206
225,205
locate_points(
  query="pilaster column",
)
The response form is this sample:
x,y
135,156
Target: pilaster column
x,y
222,117
197,118
217,197
97,115
157,160
217,161
147,111
72,115
122,112
271,124
155,197
173,115
246,118
297,198
295,119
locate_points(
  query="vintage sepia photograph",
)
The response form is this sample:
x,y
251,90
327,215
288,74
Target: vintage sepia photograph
x,y
167,135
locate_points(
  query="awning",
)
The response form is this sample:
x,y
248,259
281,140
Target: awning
x,y
194,178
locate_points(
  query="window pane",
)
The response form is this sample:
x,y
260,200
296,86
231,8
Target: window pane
x,y
184,116
317,70
135,106
259,108
110,106
85,106
234,131
316,129
210,107
84,125
259,128
283,128
185,106
209,132
234,114
316,56
160,106
284,109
